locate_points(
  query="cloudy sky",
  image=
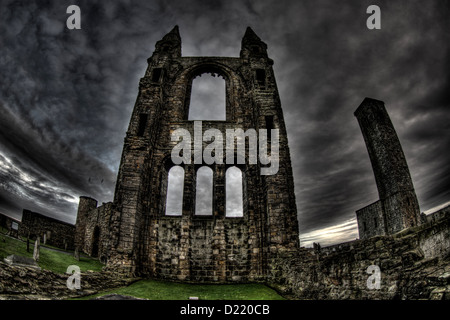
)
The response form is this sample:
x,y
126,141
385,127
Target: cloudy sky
x,y
66,96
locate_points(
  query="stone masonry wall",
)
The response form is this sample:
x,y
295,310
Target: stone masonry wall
x,y
97,231
8,223
27,283
54,232
371,220
188,247
414,264
204,250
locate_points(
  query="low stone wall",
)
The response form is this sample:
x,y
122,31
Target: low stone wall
x,y
30,283
414,264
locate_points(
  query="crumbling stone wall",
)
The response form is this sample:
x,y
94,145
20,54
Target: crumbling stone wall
x,y
27,283
414,264
51,231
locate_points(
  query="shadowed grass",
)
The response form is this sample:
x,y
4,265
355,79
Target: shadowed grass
x,y
165,290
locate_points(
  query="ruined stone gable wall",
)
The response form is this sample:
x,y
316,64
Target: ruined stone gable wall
x,y
189,247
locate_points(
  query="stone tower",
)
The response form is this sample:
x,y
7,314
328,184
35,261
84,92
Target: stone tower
x,y
143,237
85,206
398,207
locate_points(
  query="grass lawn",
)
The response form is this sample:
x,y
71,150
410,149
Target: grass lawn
x,y
55,261
164,290
58,261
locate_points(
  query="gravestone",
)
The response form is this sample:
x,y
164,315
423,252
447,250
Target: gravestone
x,y
76,254
21,261
36,250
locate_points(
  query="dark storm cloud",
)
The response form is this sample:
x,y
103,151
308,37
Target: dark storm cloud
x,y
336,64
66,95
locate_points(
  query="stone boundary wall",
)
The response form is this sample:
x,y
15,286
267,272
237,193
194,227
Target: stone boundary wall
x,y
55,232
414,264
26,283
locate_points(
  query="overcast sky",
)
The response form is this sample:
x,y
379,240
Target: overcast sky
x,y
66,96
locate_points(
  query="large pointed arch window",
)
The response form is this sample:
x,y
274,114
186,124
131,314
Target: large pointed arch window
x,y
204,192
207,98
175,185
234,196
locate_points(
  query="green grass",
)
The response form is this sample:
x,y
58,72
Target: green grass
x,y
148,289
164,290
48,259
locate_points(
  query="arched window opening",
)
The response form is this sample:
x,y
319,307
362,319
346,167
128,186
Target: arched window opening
x,y
175,185
234,193
208,98
204,192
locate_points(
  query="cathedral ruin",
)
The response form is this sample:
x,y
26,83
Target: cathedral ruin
x,y
138,234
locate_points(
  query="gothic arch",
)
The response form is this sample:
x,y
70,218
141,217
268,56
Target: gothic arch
x,y
175,192
234,191
232,80
204,191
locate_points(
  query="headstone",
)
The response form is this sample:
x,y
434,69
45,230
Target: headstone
x,y
76,254
36,250
21,261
